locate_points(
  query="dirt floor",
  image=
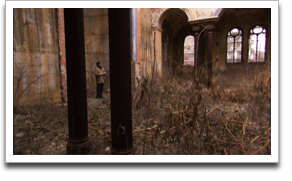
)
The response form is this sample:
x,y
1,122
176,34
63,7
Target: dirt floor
x,y
180,117
43,129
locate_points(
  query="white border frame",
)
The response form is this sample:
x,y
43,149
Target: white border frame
x,y
10,158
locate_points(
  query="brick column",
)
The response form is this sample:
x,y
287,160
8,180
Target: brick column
x,y
76,81
62,53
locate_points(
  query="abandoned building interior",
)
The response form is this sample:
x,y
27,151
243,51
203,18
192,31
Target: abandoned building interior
x,y
55,51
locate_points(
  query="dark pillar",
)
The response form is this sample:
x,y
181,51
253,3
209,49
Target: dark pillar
x,y
196,28
196,50
210,46
76,82
120,80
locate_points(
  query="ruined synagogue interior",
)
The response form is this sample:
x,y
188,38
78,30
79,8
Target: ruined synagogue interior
x,y
179,81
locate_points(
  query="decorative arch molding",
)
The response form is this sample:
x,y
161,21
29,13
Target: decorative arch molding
x,y
188,13
159,14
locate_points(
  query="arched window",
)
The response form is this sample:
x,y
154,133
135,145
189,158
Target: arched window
x,y
189,50
257,44
234,46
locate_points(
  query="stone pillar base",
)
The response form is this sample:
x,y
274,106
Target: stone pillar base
x,y
81,148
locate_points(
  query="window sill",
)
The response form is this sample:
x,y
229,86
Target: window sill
x,y
234,63
257,62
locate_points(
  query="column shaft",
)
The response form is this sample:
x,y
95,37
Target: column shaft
x,y
76,81
196,51
120,80
210,46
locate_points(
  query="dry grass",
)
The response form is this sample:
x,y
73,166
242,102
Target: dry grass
x,y
180,116
187,118
43,129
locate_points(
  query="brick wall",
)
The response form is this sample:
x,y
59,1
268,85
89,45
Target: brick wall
x,y
62,53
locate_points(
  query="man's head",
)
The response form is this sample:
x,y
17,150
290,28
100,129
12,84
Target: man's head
x,y
98,64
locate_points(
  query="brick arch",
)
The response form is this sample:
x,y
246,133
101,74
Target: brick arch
x,y
159,14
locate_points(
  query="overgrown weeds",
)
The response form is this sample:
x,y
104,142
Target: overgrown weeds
x,y
181,116
186,117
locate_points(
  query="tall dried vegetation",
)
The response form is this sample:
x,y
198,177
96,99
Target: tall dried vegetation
x,y
183,116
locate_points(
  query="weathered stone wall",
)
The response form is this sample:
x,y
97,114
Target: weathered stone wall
x,y
39,52
145,42
36,77
40,61
96,44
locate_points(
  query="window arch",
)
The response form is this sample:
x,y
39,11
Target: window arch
x,y
189,50
234,46
257,44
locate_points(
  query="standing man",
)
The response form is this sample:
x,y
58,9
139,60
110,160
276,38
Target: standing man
x,y
100,76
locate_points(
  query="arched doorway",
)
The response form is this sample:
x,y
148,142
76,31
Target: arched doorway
x,y
169,23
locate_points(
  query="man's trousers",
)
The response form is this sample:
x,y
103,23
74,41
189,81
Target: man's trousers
x,y
99,90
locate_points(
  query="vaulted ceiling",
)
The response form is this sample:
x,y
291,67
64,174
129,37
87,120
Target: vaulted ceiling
x,y
176,19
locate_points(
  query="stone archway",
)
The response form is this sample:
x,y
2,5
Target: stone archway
x,y
166,24
158,15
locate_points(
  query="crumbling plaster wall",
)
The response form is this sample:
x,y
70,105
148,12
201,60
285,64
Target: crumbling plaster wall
x,y
145,41
37,58
39,51
96,44
36,77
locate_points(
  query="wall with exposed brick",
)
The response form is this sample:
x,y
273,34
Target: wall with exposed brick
x,y
62,54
